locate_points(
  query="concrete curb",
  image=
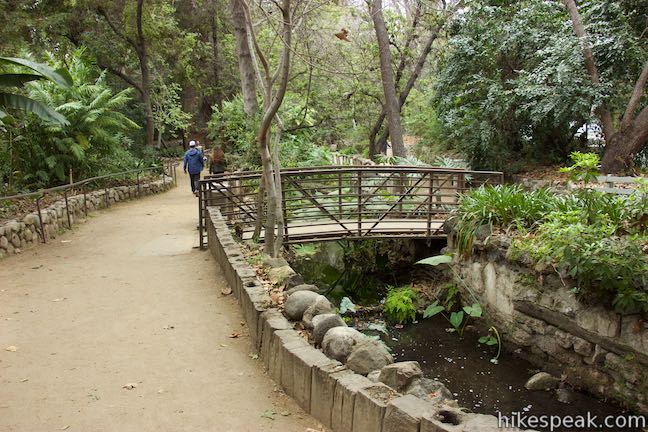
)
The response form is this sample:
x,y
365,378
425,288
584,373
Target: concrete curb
x,y
337,397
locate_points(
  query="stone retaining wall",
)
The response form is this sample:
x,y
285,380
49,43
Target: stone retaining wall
x,y
339,398
536,311
16,235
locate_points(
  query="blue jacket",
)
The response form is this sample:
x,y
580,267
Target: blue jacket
x,y
193,161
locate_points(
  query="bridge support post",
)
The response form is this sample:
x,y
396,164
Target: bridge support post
x,y
359,203
429,211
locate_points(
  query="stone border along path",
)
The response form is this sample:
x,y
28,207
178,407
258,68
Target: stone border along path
x,y
16,235
120,326
332,393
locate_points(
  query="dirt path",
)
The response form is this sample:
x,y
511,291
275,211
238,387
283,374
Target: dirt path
x,y
125,298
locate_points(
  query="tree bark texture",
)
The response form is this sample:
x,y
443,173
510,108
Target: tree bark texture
x,y
391,100
146,76
246,67
373,149
382,140
622,145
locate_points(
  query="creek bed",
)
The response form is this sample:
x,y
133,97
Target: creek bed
x,y
464,366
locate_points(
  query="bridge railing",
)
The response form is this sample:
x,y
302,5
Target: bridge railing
x,y
335,202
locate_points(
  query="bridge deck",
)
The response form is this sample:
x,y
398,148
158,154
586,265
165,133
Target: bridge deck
x,y
368,228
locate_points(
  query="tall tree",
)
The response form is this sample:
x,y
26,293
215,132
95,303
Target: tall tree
x,y
631,135
139,45
392,106
274,86
245,62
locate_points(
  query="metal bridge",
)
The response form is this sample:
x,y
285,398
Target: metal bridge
x,y
345,202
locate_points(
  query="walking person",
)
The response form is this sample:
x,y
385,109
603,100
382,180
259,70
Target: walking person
x,y
217,161
193,163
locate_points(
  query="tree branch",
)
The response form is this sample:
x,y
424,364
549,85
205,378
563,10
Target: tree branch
x,y
579,30
637,92
130,81
101,11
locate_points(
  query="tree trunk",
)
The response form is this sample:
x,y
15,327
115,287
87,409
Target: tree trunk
x,y
218,92
391,100
246,67
624,145
373,149
620,146
382,141
146,76
271,245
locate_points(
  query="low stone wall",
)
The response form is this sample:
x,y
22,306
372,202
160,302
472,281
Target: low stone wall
x,y
536,311
16,235
336,396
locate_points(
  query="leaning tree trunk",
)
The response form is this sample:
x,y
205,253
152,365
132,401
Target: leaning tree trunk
x,y
264,132
382,140
624,145
142,55
392,107
245,62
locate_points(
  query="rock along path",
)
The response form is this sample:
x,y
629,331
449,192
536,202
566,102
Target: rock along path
x,y
125,298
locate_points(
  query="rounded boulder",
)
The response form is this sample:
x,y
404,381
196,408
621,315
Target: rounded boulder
x,y
338,342
297,304
321,306
323,323
368,356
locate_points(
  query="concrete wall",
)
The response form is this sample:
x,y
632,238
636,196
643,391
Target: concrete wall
x,y
16,235
536,311
339,398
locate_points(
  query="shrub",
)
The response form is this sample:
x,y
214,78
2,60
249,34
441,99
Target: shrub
x,y
400,305
606,267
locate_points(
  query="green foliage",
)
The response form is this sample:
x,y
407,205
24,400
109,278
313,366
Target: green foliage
x,y
236,132
457,319
400,304
304,250
93,142
12,101
606,267
493,338
512,84
504,205
585,167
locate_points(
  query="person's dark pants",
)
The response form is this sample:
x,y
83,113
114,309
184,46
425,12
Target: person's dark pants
x,y
195,178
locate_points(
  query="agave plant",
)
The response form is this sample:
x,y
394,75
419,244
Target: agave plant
x,y
38,71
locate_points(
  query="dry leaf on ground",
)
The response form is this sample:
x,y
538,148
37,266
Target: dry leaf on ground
x,y
130,386
11,348
235,335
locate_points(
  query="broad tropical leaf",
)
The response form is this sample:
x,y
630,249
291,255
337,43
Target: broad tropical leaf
x,y
17,79
436,260
9,100
59,76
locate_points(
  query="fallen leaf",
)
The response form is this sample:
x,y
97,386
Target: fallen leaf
x,y
64,428
11,348
24,380
253,356
168,327
66,241
226,291
285,413
235,335
59,299
270,414
223,345
130,386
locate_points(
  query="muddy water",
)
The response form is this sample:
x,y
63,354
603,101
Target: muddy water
x,y
464,367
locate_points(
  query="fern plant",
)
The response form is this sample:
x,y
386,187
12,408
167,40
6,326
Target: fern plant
x,y
400,305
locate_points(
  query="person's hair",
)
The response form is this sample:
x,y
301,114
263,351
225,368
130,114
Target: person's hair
x,y
218,156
